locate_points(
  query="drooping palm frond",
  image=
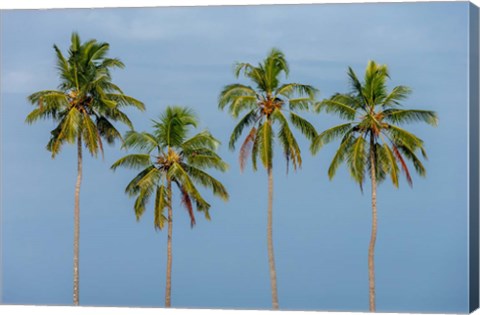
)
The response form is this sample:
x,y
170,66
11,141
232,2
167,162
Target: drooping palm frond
x,y
245,122
401,116
143,141
161,202
345,106
329,135
303,125
134,161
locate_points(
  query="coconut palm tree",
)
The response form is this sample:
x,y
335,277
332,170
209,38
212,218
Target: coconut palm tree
x,y
372,140
168,156
85,105
267,104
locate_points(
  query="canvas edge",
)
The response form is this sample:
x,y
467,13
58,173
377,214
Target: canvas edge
x,y
473,91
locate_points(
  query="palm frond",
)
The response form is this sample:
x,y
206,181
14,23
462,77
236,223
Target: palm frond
x,y
287,140
91,137
403,165
143,141
66,131
201,140
305,127
143,196
341,154
290,89
133,161
246,121
232,92
172,128
161,203
398,94
266,145
146,178
246,148
329,135
206,180
339,104
399,116
357,159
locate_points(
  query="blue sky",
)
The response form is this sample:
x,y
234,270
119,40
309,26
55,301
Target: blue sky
x,y
321,230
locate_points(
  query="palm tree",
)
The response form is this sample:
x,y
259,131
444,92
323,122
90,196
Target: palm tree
x,y
168,156
372,140
267,103
84,106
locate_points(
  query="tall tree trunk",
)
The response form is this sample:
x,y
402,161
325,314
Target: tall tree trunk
x,y
76,232
168,287
373,238
271,257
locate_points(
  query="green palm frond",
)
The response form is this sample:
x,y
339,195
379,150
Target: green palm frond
x,y
398,94
232,92
401,136
107,130
161,203
410,155
341,105
287,140
303,125
290,89
204,159
143,141
172,128
301,103
145,178
206,180
66,131
392,164
202,140
180,174
91,136
258,139
246,121
141,201
341,154
357,159
266,145
133,161
400,116
329,135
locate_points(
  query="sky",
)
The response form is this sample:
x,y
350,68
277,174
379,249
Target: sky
x,y
184,56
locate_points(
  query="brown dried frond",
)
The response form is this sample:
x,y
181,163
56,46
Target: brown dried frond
x,y
246,148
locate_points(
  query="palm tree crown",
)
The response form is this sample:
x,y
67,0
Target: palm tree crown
x,y
84,106
267,103
168,154
372,139
373,116
86,101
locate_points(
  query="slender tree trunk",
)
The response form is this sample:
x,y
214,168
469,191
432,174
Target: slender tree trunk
x,y
271,257
76,232
371,248
168,287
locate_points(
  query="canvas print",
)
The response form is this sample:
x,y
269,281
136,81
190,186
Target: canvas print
x,y
286,157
